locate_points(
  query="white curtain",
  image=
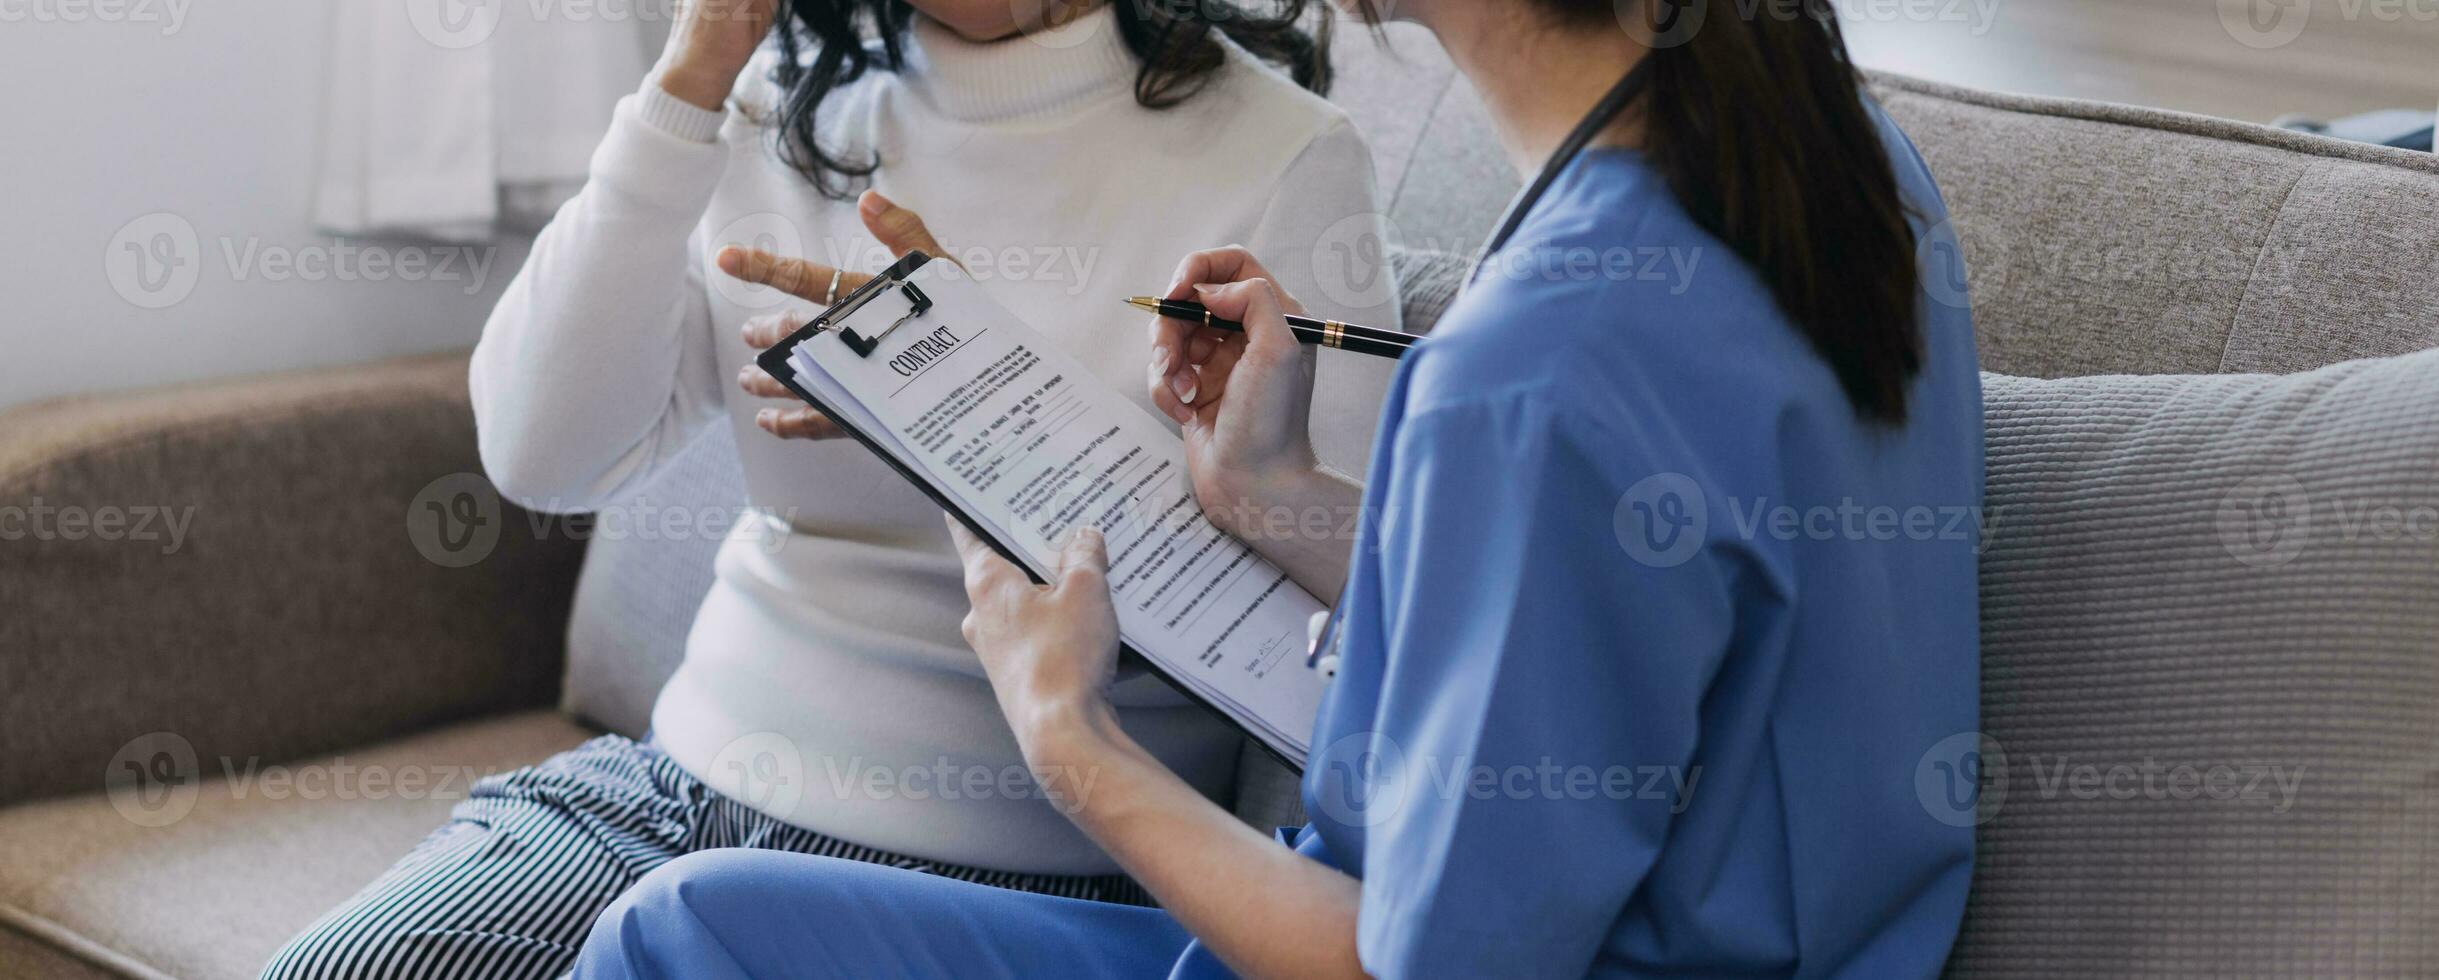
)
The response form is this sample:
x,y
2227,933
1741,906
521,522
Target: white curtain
x,y
459,119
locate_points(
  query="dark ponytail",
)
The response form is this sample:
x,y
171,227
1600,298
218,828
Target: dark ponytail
x,y
1177,43
1755,118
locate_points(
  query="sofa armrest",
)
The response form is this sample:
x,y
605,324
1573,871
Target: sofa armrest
x,y
240,564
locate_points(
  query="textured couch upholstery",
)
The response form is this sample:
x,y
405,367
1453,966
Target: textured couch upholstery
x,y
2103,240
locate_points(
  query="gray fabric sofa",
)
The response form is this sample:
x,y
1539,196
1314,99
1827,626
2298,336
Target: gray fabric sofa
x,y
205,742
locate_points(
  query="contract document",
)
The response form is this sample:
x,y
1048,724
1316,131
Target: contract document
x,y
1010,435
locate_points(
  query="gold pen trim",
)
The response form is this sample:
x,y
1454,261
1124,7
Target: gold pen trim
x,y
1333,333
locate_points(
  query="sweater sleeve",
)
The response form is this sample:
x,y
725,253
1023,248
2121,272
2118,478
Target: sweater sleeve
x,y
597,366
1325,235
1325,239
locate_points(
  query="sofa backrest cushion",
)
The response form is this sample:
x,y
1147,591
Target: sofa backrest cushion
x,y
637,596
2110,239
2210,676
2101,238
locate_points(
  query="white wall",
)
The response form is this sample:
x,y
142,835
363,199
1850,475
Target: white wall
x,y
212,121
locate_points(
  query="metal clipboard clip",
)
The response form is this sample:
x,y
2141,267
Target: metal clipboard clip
x,y
894,278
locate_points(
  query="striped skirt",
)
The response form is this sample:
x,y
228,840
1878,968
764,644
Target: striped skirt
x,y
511,885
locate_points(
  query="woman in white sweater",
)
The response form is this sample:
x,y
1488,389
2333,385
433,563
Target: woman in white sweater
x,y
827,702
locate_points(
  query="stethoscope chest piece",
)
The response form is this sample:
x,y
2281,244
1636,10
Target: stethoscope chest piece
x,y
1317,636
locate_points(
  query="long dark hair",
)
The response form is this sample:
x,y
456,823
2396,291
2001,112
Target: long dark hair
x,y
1177,42
1754,116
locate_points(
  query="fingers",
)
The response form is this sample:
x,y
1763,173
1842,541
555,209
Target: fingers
x,y
900,230
764,331
797,423
1084,562
1177,349
985,571
759,383
795,277
1256,304
1176,346
1157,384
1214,265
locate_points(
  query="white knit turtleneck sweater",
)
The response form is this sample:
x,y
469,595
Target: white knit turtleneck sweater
x,y
825,681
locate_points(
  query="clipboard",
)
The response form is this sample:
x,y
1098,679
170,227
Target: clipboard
x,y
894,282
775,361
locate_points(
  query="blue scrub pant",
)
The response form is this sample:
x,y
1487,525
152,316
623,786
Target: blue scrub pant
x,y
736,913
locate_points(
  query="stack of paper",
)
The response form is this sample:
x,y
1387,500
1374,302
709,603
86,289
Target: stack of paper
x,y
1013,435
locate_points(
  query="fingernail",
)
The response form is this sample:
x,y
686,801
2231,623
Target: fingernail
x,y
1160,358
1203,288
874,203
745,374
765,417
1184,385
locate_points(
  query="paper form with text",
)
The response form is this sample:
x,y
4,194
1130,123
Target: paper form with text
x,y
1011,433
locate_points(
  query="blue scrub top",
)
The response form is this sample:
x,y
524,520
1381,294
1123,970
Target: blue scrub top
x,y
1654,651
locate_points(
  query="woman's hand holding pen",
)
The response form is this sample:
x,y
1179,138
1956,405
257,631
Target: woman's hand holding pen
x,y
898,229
1243,402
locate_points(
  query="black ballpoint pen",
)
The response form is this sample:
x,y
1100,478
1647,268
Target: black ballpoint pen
x,y
1327,333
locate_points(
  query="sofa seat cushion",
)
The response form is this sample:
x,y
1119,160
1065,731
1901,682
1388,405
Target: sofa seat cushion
x,y
2210,677
210,884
